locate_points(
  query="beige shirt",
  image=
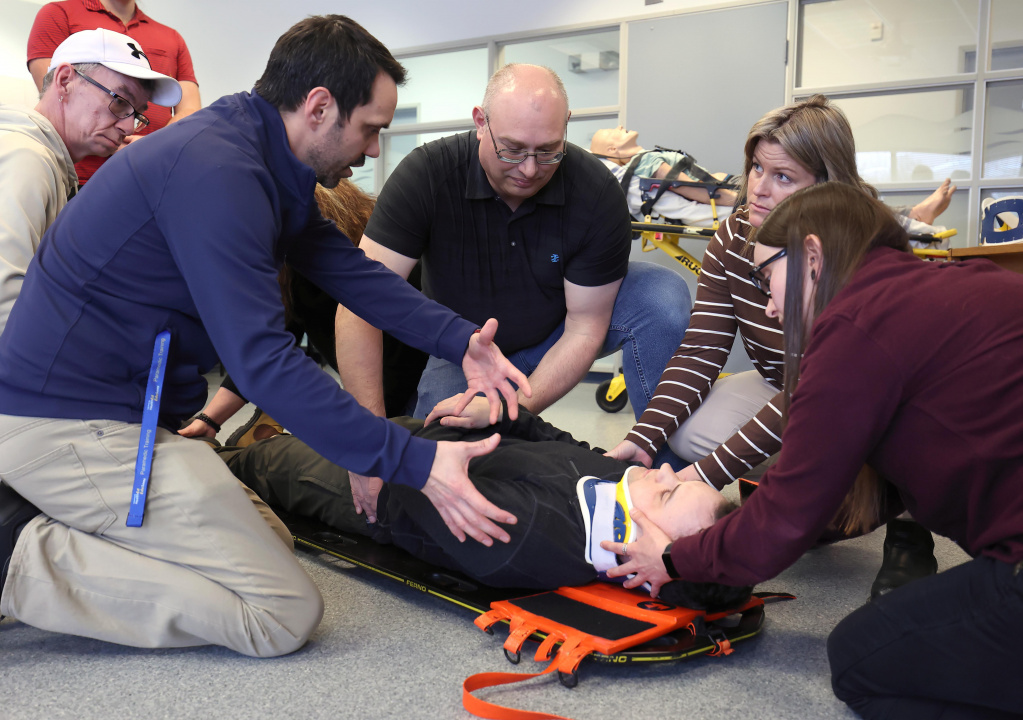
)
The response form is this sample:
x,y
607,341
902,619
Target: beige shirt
x,y
37,177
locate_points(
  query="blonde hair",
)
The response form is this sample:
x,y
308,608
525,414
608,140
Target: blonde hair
x,y
816,134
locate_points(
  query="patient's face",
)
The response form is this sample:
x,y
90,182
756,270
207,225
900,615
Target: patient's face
x,y
676,507
617,142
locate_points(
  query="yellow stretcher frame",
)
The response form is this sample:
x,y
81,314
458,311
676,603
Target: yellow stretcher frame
x,y
611,396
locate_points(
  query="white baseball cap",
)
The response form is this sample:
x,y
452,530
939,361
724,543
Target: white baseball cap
x,y
121,54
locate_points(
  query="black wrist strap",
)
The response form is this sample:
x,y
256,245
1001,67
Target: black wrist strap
x,y
208,420
668,564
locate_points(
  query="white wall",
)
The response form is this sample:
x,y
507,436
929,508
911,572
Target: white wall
x,y
230,40
16,18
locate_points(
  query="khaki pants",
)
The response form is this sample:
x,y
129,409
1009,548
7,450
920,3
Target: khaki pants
x,y
211,563
731,403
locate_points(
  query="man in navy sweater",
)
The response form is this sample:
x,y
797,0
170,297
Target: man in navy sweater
x,y
185,233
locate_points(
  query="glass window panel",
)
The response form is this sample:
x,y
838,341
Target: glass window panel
x,y
908,137
1003,136
580,132
587,64
443,86
363,176
1006,34
867,41
396,147
953,217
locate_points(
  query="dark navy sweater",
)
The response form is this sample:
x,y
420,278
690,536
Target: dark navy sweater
x,y
186,230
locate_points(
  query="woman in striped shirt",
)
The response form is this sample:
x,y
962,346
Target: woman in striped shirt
x,y
729,427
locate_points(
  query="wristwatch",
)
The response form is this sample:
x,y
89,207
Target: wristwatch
x,y
668,564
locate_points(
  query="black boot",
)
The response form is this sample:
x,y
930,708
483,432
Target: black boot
x,y
908,555
746,488
15,512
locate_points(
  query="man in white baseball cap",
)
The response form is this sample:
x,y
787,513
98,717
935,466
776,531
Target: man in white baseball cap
x,y
119,53
95,92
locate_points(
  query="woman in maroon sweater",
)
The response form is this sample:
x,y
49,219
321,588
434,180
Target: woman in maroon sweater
x,y
913,370
727,428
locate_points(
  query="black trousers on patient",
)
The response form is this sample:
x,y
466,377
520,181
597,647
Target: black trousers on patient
x,y
946,646
532,474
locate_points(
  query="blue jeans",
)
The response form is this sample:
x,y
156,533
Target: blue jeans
x,y
651,314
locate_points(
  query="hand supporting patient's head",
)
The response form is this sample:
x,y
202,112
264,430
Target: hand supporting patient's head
x,y
679,508
616,143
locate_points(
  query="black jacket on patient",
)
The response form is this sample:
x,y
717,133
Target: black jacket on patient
x,y
532,474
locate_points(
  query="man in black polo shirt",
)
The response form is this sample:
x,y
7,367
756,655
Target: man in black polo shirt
x,y
512,221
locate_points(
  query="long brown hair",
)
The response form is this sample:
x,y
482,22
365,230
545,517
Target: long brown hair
x,y
816,134
849,224
346,206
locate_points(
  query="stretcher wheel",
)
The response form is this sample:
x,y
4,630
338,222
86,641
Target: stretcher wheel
x,y
611,406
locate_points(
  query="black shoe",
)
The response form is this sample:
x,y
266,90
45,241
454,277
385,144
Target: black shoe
x,y
15,512
746,488
908,556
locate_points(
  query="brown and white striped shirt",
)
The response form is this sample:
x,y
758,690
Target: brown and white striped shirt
x,y
726,300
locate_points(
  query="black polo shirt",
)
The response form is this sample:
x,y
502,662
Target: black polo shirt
x,y
482,260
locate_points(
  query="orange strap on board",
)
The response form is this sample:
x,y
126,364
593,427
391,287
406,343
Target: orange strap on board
x,y
597,618
484,709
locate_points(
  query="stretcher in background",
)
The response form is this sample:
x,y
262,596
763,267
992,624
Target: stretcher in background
x,y
611,394
663,233
652,189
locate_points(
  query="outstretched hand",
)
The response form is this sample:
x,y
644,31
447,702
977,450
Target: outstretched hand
x,y
462,507
488,371
643,556
628,451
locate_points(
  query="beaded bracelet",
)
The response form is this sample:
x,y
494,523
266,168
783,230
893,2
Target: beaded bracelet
x,y
208,420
